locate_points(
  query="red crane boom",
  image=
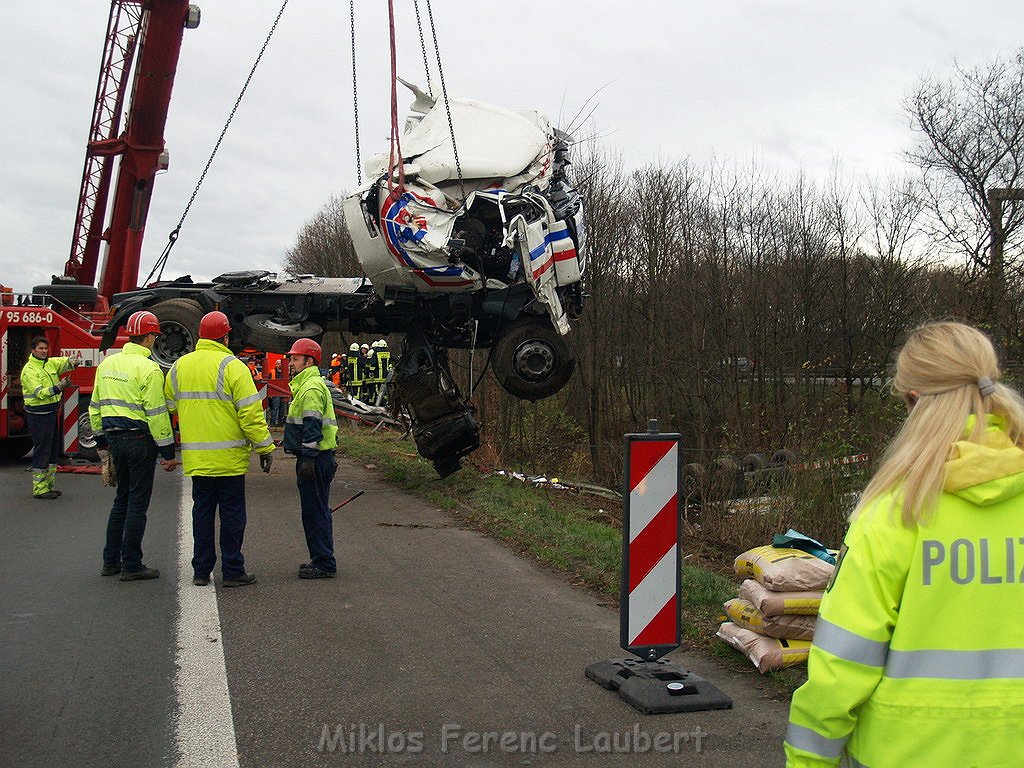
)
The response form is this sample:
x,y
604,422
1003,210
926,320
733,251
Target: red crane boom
x,y
147,33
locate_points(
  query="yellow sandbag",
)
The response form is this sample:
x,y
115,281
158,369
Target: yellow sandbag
x,y
745,615
765,653
783,569
804,603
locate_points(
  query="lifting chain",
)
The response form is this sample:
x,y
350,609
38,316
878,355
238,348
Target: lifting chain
x,y
423,47
447,106
355,91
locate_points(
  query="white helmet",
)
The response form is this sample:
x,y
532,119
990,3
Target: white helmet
x,y
353,347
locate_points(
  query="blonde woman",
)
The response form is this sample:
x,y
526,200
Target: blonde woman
x,y
918,655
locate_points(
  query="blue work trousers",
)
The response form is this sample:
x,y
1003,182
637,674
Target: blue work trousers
x,y
134,456
46,438
208,495
277,412
316,510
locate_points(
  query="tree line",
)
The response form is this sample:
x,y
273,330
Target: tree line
x,y
752,309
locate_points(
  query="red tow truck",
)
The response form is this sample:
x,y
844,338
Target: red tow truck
x,y
143,39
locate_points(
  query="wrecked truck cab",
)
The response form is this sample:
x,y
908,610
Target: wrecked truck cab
x,y
493,220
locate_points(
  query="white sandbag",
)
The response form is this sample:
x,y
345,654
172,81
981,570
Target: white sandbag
x,y
745,615
783,569
804,603
765,653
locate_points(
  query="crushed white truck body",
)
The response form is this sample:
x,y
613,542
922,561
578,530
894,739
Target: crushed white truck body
x,y
510,218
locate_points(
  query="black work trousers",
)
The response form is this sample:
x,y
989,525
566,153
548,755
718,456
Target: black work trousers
x,y
134,456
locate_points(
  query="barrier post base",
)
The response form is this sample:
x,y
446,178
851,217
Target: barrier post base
x,y
657,687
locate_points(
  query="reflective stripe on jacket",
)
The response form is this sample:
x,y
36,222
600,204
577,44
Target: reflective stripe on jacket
x,y
354,377
311,426
918,657
40,381
220,413
129,394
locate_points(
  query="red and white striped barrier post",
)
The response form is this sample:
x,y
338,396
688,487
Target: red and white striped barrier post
x,y
69,419
649,612
649,620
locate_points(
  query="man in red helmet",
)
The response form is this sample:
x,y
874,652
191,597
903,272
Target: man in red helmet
x,y
221,421
128,413
311,433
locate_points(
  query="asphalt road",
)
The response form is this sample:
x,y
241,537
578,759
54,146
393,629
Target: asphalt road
x,y
434,646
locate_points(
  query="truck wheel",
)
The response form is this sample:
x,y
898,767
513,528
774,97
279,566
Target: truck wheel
x,y
264,333
67,293
86,440
753,462
179,329
532,360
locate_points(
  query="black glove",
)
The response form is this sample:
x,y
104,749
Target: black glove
x,y
266,461
307,471
101,441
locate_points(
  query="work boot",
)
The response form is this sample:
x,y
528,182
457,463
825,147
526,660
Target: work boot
x,y
244,580
46,495
142,573
315,573
110,570
201,581
39,484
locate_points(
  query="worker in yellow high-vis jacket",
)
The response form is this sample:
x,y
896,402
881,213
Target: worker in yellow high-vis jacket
x,y
311,433
918,656
128,414
221,421
41,386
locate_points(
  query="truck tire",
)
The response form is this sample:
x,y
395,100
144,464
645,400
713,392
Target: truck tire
x,y
695,480
67,293
179,329
783,458
752,462
86,441
262,332
531,360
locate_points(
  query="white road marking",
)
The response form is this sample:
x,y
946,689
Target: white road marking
x,y
204,730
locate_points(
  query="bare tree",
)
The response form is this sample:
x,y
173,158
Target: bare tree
x,y
323,246
971,142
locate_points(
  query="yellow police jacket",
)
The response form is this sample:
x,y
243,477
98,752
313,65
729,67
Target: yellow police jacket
x,y
39,383
220,413
129,395
310,426
918,654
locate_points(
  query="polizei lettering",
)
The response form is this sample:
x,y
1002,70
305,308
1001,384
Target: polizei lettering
x,y
963,561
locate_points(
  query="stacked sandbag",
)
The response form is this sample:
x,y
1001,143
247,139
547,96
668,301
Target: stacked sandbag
x,y
772,620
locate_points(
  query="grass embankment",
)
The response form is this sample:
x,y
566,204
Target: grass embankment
x,y
578,535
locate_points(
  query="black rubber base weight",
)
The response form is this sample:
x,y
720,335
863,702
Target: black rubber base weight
x,y
657,687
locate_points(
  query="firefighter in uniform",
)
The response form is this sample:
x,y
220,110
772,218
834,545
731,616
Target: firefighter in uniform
x,y
918,657
129,416
220,417
42,387
311,434
383,365
354,375
371,370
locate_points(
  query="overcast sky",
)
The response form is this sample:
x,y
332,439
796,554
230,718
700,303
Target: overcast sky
x,y
794,83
